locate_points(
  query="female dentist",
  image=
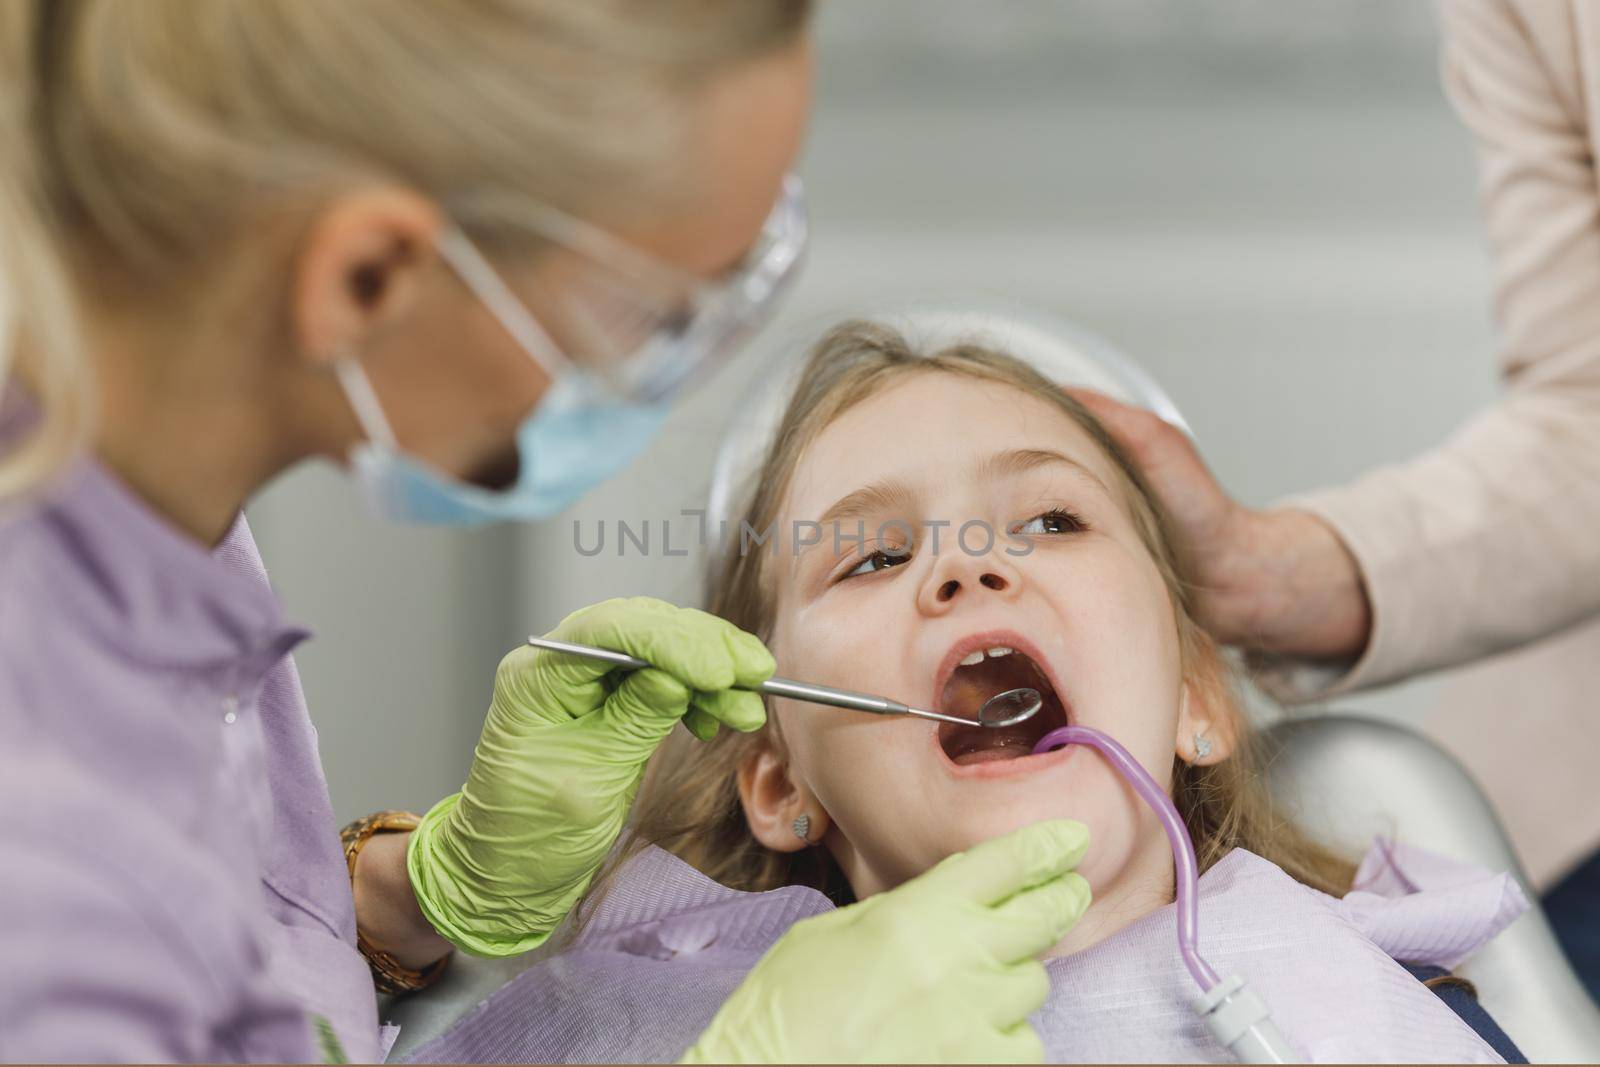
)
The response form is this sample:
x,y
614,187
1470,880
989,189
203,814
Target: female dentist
x,y
472,251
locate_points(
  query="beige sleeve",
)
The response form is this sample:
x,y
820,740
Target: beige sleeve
x,y
1492,539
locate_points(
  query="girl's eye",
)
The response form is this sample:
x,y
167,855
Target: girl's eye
x,y
878,561
1054,521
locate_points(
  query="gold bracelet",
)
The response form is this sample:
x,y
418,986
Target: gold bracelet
x,y
388,974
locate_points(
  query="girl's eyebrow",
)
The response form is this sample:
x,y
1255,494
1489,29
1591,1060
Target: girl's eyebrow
x,y
891,494
874,499
1022,460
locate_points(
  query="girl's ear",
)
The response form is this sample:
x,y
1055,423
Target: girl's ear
x,y
1208,728
782,813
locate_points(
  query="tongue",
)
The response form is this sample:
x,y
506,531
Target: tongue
x,y
984,745
987,755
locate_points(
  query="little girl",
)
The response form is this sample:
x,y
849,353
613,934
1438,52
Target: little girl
x,y
948,526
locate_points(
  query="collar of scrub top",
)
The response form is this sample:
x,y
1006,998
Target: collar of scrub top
x,y
639,327
1062,351
161,598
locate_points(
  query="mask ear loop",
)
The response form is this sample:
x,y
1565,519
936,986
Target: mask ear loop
x,y
364,402
486,284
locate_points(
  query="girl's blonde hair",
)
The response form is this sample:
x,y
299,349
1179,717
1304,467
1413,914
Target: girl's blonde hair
x,y
139,137
690,804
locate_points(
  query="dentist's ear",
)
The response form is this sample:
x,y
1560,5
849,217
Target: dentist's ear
x,y
1204,737
783,815
359,267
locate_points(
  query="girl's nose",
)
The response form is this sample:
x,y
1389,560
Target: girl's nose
x,y
959,574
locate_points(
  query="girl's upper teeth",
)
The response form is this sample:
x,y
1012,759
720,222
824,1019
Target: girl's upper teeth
x,y
974,658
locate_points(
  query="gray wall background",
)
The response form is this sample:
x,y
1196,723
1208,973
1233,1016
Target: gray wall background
x,y
1268,204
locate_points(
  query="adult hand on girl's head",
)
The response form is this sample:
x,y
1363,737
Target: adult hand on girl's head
x,y
498,866
1278,580
940,969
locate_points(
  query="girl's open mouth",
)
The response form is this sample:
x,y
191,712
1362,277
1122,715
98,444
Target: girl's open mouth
x,y
980,674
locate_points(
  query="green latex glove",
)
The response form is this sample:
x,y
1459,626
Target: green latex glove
x,y
497,866
940,969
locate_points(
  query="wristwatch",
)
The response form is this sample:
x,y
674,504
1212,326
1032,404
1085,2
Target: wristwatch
x,y
388,974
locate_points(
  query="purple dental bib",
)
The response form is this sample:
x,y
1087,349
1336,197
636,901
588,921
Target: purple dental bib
x,y
667,945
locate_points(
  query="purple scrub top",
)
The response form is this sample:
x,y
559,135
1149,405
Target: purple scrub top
x,y
171,881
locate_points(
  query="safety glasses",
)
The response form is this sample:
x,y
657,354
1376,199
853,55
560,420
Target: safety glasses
x,y
642,329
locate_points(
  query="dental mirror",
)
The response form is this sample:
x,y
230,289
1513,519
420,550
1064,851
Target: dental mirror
x,y
1009,708
1002,709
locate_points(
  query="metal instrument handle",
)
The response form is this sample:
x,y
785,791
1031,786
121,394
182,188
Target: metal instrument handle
x,y
839,698
621,659
779,687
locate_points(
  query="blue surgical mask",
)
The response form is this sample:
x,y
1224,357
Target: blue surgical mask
x,y
573,441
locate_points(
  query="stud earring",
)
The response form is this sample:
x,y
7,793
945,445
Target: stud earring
x,y
1202,745
802,828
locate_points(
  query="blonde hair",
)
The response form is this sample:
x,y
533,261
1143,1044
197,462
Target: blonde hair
x,y
140,136
690,806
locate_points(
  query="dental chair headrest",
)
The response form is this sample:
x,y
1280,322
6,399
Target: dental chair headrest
x,y
1060,350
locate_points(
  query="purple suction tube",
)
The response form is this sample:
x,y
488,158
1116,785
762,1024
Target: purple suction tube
x,y
1185,870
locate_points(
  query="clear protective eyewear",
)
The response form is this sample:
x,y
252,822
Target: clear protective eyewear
x,y
640,328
